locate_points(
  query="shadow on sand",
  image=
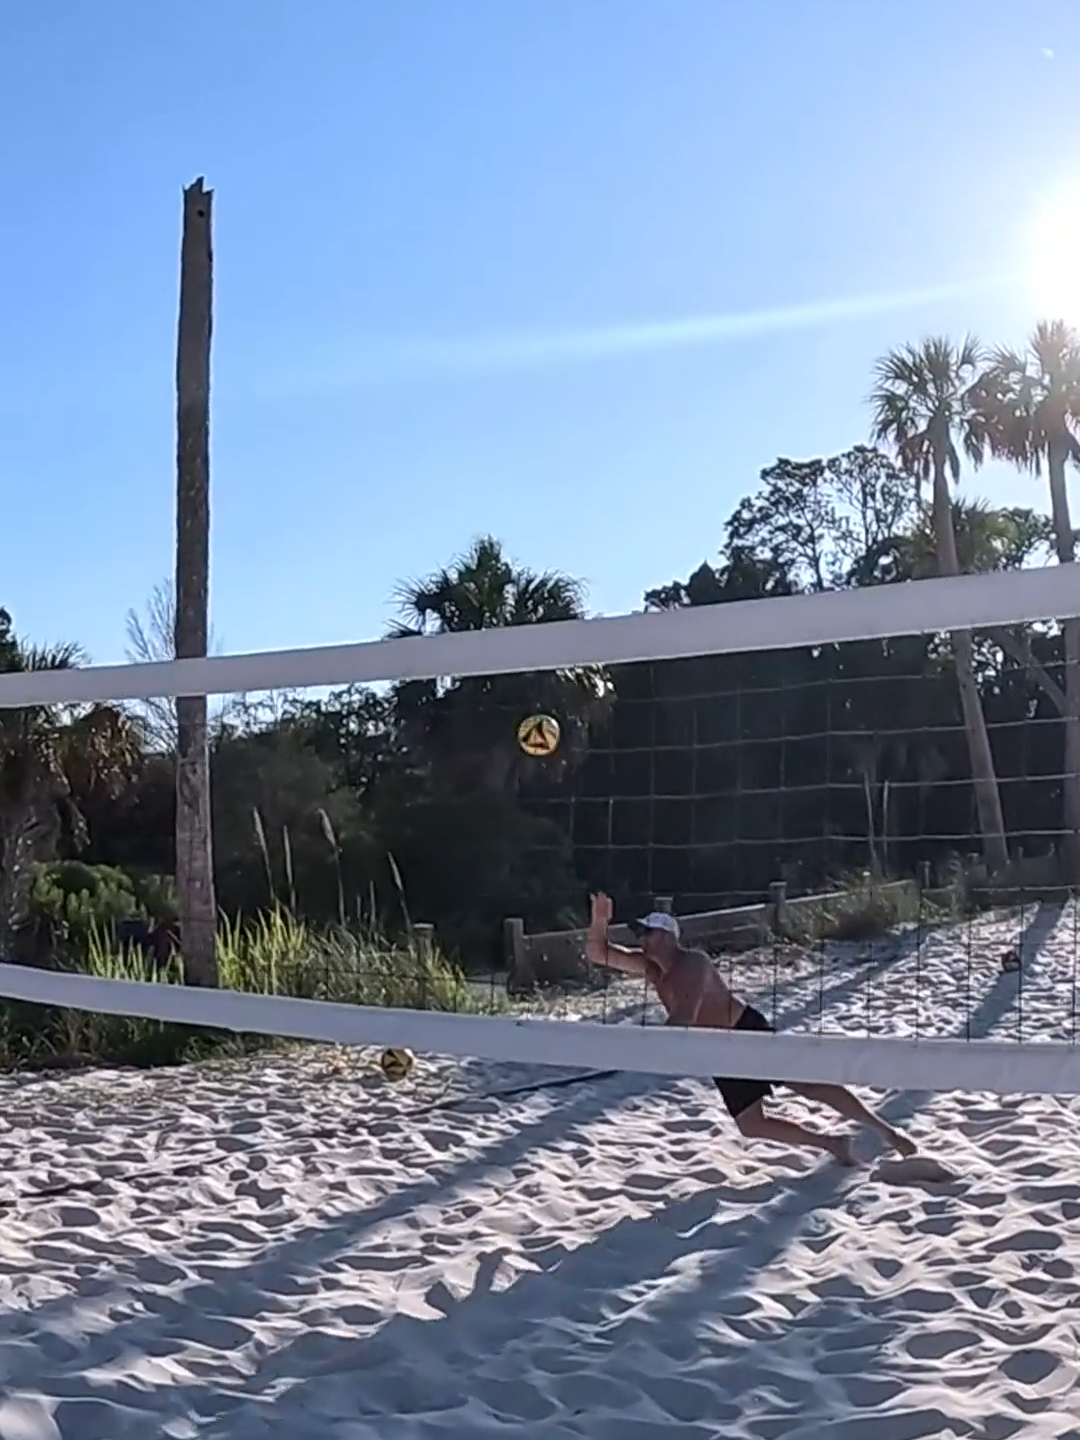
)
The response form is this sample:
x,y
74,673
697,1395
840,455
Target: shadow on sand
x,y
601,1297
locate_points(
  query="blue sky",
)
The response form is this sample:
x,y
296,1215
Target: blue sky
x,y
437,223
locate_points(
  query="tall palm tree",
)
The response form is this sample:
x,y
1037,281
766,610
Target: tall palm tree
x,y
1029,405
920,408
49,755
467,727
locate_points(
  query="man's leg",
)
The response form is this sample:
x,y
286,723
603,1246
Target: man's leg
x,y
756,1125
852,1108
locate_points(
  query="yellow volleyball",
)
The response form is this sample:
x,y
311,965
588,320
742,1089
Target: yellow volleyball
x,y
396,1064
539,735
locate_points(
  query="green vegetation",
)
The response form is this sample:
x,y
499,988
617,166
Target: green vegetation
x,y
275,954
858,909
704,779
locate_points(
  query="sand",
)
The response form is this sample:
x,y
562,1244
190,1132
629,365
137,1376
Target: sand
x,y
292,1247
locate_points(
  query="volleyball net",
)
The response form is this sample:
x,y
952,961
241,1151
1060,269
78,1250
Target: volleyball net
x,y
862,803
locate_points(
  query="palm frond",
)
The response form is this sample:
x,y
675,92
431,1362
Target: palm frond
x,y
920,405
1029,402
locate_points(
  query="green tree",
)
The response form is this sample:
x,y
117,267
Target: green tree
x,y
921,408
464,729
353,731
286,827
988,538
893,738
50,757
1029,405
821,523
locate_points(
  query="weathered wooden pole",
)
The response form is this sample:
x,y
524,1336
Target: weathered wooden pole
x,y
194,838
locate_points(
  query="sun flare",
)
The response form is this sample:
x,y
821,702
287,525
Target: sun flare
x,y
1054,255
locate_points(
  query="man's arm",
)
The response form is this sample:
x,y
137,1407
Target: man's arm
x,y
599,949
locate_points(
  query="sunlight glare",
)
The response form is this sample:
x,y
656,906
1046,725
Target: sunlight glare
x,y
1054,263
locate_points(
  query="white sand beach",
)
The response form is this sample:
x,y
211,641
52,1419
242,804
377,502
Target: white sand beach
x,y
290,1246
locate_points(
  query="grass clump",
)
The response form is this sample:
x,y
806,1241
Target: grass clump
x,y
861,909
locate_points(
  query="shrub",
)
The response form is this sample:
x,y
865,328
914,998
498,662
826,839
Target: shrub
x,y
70,901
859,909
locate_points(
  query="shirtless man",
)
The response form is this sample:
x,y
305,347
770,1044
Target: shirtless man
x,y
693,994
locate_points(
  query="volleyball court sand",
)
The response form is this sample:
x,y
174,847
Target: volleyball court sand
x,y
291,1247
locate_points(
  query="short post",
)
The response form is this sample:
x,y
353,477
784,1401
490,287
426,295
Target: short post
x,y
423,938
777,912
515,954
924,875
664,903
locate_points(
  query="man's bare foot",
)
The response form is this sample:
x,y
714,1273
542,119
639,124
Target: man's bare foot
x,y
842,1153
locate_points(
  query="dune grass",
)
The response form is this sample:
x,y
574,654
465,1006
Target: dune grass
x,y
859,909
277,953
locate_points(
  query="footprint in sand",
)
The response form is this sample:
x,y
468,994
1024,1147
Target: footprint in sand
x,y
915,1170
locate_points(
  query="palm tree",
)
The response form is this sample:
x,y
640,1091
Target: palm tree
x,y
1029,405
920,408
466,728
49,756
988,538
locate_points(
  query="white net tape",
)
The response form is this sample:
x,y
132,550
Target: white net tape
x,y
883,1062
918,607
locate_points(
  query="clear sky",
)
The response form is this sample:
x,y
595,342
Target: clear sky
x,y
456,241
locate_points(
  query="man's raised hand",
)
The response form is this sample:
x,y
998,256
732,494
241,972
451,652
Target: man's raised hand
x,y
601,909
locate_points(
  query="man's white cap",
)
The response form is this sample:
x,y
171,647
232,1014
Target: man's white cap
x,y
659,920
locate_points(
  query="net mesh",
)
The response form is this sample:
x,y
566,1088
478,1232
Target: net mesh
x,y
808,811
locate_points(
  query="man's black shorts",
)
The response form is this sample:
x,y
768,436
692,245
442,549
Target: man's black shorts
x,y
739,1095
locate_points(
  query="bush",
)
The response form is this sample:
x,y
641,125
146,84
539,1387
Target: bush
x,y
860,909
71,901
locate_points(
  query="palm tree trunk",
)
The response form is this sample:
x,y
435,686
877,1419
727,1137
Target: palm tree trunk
x,y
983,774
194,847
1065,545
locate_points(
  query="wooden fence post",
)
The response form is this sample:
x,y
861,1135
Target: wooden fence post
x,y
423,939
516,955
777,912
